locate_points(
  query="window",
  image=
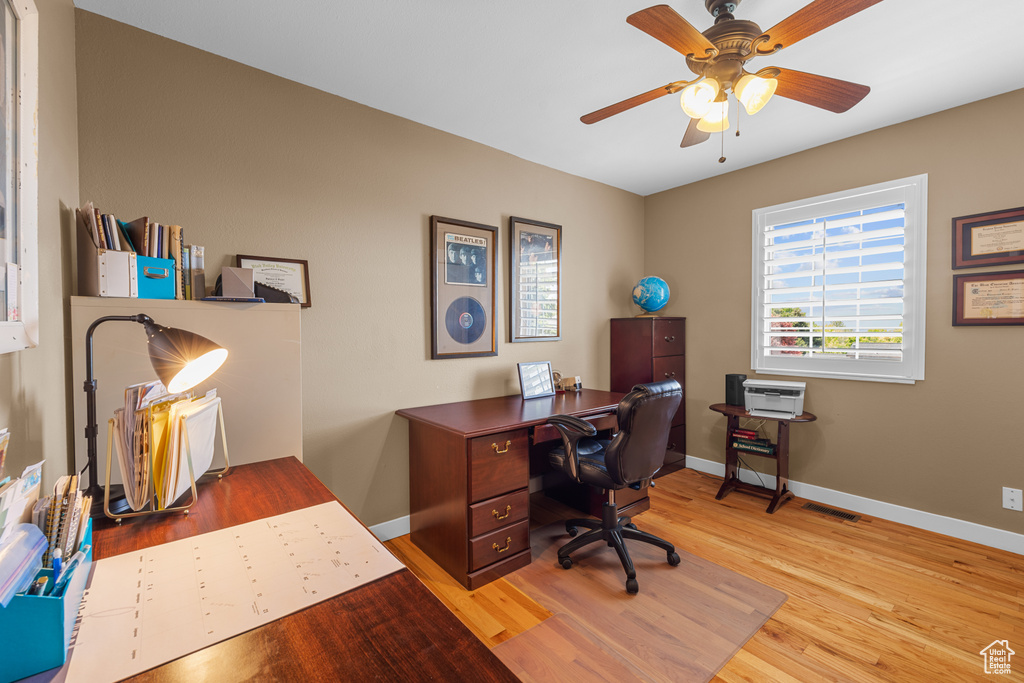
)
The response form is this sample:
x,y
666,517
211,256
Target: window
x,y
839,284
19,261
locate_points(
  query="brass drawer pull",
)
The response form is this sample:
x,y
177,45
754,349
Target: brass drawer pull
x,y
499,451
508,511
671,447
508,544
670,376
670,339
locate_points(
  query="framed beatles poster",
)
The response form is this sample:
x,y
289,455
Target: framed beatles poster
x,y
462,289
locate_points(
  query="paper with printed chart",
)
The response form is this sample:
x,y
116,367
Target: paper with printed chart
x,y
145,608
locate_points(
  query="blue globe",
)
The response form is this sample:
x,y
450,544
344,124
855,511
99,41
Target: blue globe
x,y
651,294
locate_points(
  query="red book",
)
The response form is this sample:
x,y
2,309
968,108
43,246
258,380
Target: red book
x,y
745,433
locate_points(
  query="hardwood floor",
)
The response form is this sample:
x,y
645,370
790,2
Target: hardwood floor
x,y
870,600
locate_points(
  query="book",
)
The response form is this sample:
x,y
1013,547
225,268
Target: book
x,y
746,433
198,272
138,232
126,241
113,234
175,231
165,241
754,448
186,269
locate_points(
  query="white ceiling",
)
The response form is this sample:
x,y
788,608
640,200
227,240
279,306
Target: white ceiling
x,y
518,75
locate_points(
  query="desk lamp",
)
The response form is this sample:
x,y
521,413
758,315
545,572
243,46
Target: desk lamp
x,y
181,360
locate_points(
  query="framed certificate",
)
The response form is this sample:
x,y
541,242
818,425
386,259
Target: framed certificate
x,y
989,298
988,239
290,275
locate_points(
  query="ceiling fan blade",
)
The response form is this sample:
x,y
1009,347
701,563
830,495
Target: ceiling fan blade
x,y
662,22
814,17
619,107
693,136
819,91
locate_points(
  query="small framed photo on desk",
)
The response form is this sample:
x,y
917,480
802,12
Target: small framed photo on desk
x,y
535,379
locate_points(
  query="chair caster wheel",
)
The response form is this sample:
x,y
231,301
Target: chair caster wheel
x,y
632,587
673,559
572,531
566,562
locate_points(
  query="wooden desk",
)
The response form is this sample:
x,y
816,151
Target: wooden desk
x,y
781,456
391,629
469,476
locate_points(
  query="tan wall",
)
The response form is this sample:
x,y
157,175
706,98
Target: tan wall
x,y
945,445
251,163
32,382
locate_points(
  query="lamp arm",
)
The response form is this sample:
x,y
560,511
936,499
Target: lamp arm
x,y
95,490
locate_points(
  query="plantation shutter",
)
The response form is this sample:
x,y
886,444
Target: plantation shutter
x,y
837,281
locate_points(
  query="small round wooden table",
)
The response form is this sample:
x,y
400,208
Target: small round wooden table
x,y
781,455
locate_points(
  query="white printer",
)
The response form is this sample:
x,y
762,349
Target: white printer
x,y
780,400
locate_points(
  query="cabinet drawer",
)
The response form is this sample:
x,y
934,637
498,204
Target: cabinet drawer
x,y
496,512
498,545
498,463
668,338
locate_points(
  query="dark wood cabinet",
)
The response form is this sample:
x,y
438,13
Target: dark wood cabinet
x,y
649,350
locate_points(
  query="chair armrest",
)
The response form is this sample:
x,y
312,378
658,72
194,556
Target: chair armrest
x,y
572,430
576,424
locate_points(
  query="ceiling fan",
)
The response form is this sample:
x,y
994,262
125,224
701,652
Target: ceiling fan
x,y
719,55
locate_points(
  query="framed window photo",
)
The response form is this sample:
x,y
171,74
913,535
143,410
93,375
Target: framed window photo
x,y
535,272
989,298
535,379
290,275
989,239
462,288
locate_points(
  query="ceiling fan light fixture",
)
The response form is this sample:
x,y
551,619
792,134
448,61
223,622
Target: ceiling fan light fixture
x,y
717,118
754,92
697,98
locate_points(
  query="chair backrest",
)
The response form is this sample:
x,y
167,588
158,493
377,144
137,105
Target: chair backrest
x,y
645,418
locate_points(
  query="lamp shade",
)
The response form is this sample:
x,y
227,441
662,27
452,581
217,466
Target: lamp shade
x,y
754,92
717,118
697,98
180,358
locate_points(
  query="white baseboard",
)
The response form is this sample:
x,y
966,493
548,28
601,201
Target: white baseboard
x,y
957,528
385,531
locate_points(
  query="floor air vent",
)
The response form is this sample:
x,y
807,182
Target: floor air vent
x,y
831,512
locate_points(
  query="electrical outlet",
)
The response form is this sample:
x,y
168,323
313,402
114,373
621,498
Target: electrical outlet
x,y
1012,499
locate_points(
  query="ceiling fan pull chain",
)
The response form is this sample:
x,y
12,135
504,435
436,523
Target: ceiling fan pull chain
x,y
739,113
721,159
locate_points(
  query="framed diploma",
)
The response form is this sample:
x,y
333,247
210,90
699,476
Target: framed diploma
x,y
989,298
989,239
291,275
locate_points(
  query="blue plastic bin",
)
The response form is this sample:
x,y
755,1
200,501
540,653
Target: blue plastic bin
x,y
156,277
35,630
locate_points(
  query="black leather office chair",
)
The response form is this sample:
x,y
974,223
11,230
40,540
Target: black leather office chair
x,y
630,458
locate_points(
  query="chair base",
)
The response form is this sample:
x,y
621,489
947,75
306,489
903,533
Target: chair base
x,y
613,530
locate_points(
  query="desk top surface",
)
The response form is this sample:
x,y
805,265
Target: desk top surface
x,y
490,415
391,629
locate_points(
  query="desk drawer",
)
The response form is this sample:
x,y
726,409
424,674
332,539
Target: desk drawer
x,y
498,463
496,512
499,544
546,432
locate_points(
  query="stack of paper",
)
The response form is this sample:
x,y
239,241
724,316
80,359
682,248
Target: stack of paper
x,y
156,434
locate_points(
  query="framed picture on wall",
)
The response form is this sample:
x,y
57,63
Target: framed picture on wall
x,y
989,298
462,261
535,274
989,239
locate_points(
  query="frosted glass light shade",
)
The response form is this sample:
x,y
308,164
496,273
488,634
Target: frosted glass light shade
x,y
717,118
698,97
754,92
